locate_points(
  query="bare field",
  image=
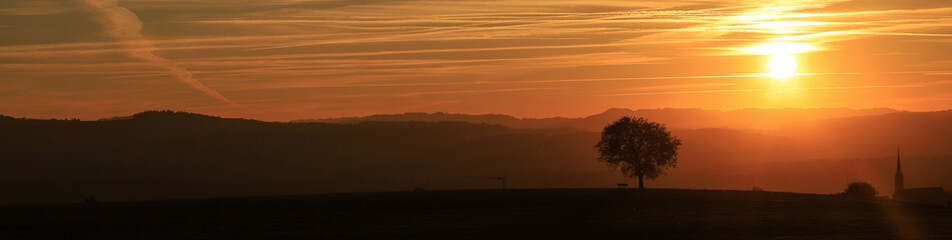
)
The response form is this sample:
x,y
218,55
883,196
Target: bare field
x,y
513,213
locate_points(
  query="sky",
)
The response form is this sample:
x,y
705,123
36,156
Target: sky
x,y
282,60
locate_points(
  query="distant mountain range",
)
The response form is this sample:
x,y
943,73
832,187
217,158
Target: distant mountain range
x,y
762,119
165,154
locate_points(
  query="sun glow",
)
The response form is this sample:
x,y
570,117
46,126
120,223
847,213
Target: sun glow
x,y
778,48
782,64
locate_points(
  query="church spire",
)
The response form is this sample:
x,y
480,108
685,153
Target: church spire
x,y
898,166
899,179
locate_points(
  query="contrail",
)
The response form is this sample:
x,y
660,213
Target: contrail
x,y
124,26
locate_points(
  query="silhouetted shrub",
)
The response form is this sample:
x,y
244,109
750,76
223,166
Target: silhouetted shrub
x,y
757,189
860,190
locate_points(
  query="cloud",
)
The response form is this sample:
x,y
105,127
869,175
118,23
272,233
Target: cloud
x,y
450,51
121,24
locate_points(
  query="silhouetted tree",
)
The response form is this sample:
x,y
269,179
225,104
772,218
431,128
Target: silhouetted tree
x,y
860,190
639,147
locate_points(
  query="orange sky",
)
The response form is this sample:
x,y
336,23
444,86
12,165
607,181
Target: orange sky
x,y
295,59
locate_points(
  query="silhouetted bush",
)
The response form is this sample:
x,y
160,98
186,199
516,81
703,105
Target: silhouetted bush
x,y
757,189
860,190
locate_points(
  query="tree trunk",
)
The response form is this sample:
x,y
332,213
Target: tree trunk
x,y
641,181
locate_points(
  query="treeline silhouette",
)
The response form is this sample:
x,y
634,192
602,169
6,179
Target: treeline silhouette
x,y
175,154
165,155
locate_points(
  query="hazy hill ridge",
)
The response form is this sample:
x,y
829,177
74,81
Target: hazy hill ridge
x,y
164,154
674,118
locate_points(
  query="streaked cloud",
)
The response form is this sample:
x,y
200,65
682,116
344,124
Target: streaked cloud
x,y
309,59
123,25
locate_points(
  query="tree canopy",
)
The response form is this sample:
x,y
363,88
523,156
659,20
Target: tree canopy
x,y
860,190
639,147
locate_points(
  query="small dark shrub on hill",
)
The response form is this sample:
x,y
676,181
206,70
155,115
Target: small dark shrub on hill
x,y
860,189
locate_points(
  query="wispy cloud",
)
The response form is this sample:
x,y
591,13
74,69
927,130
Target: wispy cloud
x,y
293,55
123,25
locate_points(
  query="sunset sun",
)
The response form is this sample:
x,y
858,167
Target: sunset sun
x,y
782,66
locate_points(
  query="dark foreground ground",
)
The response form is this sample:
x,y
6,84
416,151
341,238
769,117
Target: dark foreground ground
x,y
509,214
